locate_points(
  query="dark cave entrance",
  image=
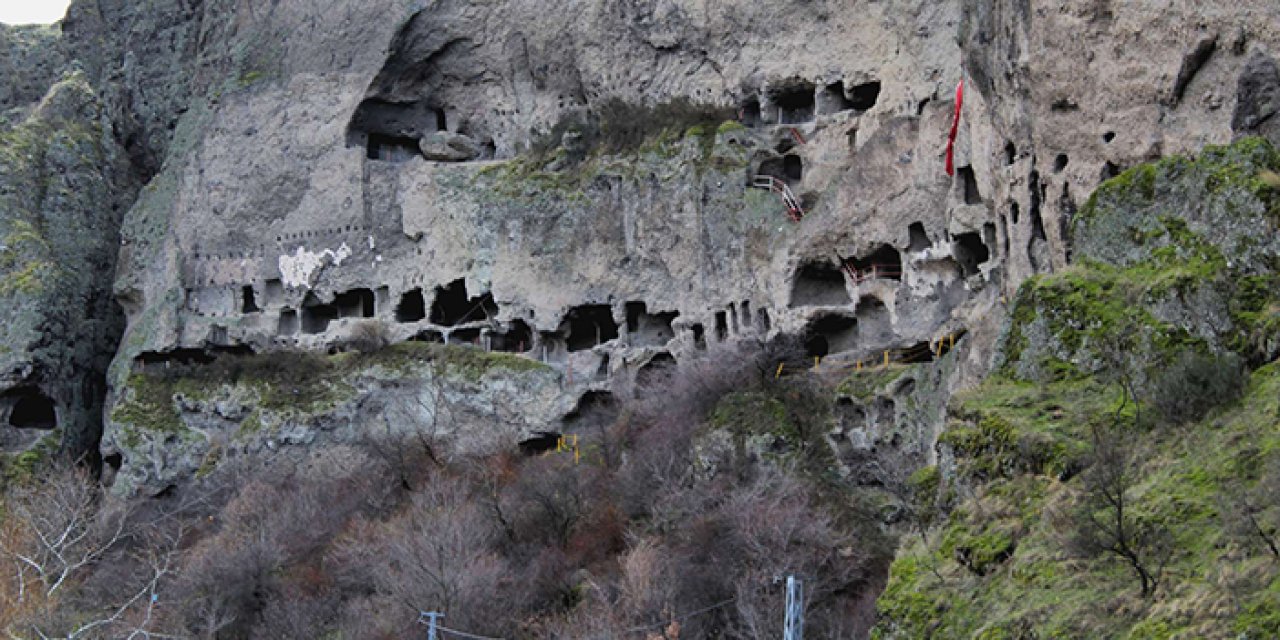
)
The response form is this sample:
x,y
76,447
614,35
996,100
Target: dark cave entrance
x,y
452,306
248,303
970,252
32,410
919,240
830,334
516,339
864,96
589,326
884,262
412,307
357,303
316,315
819,284
289,325
795,102
649,329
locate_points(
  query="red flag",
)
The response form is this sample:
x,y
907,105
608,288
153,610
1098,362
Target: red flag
x,y
955,128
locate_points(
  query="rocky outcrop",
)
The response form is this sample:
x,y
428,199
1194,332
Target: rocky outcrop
x,y
587,196
63,191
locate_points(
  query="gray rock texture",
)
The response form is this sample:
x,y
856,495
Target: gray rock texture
x,y
495,173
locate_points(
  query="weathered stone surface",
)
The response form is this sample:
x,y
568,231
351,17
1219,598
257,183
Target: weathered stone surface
x,y
289,197
63,189
1258,97
449,147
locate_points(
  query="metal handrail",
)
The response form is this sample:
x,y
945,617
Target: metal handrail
x,y
794,210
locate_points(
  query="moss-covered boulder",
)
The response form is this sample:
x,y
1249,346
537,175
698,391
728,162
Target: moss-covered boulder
x,y
170,422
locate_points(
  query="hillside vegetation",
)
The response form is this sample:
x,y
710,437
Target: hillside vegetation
x,y
1116,476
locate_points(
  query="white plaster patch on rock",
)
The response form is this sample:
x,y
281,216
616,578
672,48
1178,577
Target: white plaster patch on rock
x,y
297,270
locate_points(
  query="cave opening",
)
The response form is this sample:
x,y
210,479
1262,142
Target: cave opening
x,y
248,304
273,291
699,337
919,240
412,307
391,148
828,334
357,303
32,410
390,130
595,407
317,315
452,306
884,262
588,326
1010,153
793,168
649,329
518,338
541,442
789,169
1060,163
864,96
289,324
762,317
969,251
970,184
1036,187
750,112
819,284
722,326
795,102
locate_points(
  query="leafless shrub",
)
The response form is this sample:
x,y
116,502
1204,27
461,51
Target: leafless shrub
x,y
1104,519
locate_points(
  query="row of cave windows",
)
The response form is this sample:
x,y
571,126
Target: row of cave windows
x,y
390,131
798,102
584,327
824,283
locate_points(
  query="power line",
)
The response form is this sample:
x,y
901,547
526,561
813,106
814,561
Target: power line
x,y
686,616
464,634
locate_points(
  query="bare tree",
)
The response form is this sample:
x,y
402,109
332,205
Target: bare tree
x,y
1105,522
61,528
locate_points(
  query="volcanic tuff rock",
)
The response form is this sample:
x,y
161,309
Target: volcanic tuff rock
x,y
289,201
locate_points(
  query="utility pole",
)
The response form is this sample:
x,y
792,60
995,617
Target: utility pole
x,y
793,628
430,618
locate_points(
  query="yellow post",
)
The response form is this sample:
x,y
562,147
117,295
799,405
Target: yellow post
x,y
817,361
886,357
952,339
577,453
779,373
859,365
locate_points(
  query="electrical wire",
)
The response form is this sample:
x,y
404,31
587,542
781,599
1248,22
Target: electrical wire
x,y
680,618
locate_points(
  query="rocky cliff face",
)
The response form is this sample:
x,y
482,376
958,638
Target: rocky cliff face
x,y
579,193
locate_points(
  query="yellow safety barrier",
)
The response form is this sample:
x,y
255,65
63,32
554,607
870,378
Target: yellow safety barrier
x,y
924,351
568,444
